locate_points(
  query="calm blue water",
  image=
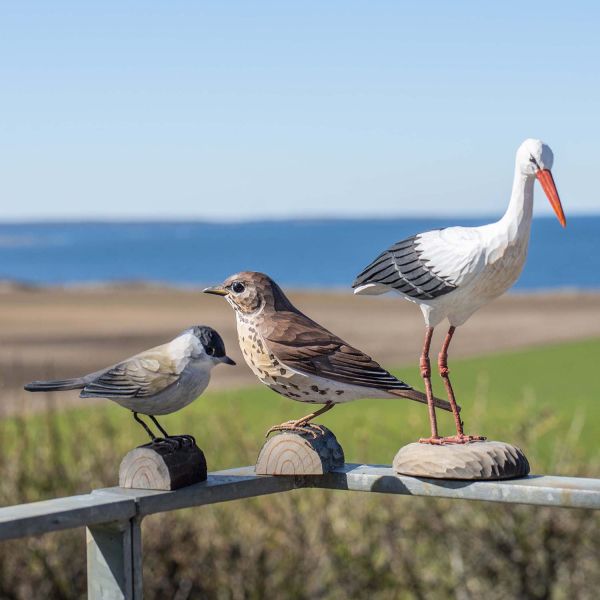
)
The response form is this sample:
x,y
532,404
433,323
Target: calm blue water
x,y
311,253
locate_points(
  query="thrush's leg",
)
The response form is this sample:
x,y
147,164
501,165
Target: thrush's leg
x,y
306,420
300,424
426,375
460,437
148,430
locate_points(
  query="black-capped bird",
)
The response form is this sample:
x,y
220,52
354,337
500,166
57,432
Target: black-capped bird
x,y
158,381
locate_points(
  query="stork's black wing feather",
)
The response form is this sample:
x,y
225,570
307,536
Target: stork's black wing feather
x,y
402,268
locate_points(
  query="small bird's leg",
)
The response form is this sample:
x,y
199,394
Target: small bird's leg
x,y
460,437
148,430
162,430
425,366
177,440
300,424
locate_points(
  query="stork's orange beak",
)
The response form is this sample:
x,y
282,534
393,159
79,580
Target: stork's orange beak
x,y
547,181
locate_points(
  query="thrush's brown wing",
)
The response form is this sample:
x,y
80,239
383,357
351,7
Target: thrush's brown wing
x,y
309,348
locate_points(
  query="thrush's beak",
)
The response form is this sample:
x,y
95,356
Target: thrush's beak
x,y
217,290
547,181
227,361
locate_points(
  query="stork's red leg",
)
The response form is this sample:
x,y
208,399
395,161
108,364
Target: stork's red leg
x,y
460,437
426,375
445,375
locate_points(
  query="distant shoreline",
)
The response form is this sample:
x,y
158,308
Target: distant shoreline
x,y
309,219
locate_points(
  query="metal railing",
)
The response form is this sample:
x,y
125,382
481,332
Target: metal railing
x,y
113,516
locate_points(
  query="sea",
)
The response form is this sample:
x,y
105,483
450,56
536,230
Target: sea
x,y
311,253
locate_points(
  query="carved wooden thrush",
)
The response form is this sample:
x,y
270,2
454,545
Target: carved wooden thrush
x,y
298,358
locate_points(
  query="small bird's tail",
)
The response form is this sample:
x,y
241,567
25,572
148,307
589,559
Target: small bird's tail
x,y
56,385
421,397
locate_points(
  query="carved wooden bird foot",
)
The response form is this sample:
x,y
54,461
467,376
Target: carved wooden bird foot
x,y
452,439
434,440
463,439
296,426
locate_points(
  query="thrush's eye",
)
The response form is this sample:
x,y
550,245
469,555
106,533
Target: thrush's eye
x,y
238,287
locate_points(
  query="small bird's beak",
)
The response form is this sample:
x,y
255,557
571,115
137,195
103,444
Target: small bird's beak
x,y
217,290
228,361
547,181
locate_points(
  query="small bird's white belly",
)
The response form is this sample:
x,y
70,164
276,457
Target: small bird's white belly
x,y
289,382
191,384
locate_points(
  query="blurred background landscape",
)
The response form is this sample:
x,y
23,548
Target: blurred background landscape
x,y
149,150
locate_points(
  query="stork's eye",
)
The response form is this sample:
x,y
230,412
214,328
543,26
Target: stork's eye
x,y
238,287
533,161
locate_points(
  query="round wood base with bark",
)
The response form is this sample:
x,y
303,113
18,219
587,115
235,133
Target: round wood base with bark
x,y
299,453
472,461
164,464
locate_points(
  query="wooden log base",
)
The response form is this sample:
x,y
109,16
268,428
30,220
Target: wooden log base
x,y
298,453
164,464
471,461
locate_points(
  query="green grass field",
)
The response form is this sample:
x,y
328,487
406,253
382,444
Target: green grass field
x,y
546,399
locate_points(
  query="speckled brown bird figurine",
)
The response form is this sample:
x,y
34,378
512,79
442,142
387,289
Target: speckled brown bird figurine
x,y
298,358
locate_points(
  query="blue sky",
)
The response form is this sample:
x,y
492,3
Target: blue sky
x,y
241,110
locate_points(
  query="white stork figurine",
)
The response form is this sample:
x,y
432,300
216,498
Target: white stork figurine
x,y
452,272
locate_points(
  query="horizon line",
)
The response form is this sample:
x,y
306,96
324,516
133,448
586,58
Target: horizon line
x,y
258,220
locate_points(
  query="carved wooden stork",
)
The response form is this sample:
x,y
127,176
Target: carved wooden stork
x,y
452,272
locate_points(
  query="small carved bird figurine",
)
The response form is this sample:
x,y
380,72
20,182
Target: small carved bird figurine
x,y
158,381
298,358
450,273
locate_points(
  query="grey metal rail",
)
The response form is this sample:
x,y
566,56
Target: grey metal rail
x,y
113,515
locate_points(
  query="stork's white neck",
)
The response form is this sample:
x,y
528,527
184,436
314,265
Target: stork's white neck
x,y
517,218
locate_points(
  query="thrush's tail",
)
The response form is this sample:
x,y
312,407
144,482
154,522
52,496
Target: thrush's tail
x,y
56,385
421,397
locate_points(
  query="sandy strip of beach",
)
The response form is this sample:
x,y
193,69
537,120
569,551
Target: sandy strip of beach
x,y
58,333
